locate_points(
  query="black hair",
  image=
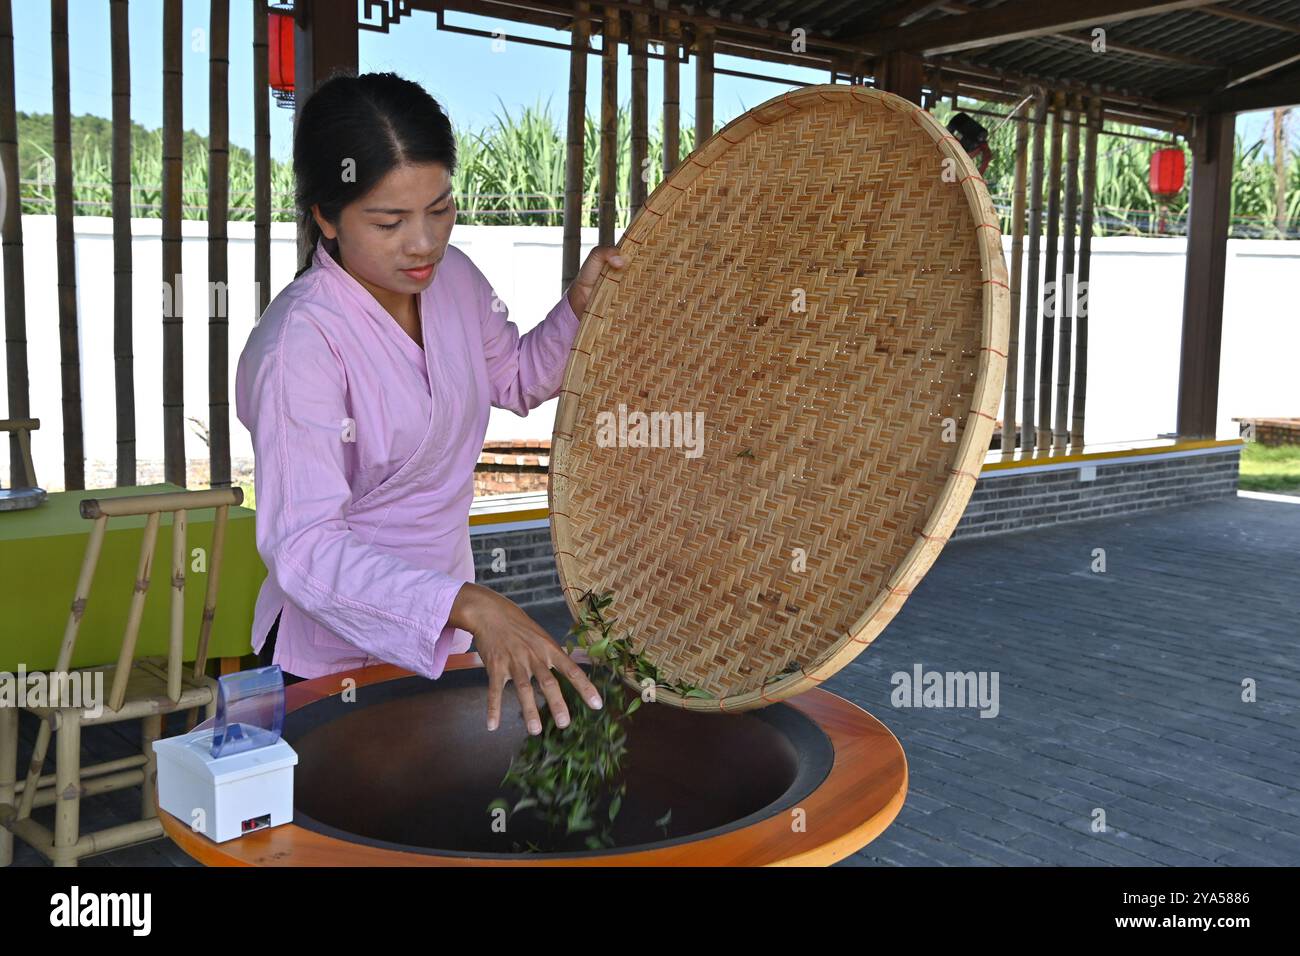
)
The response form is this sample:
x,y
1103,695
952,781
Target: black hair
x,y
365,126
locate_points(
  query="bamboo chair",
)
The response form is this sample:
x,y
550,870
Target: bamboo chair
x,y
24,428
145,690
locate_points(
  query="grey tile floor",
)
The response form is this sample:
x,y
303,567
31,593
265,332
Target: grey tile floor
x,y
1119,698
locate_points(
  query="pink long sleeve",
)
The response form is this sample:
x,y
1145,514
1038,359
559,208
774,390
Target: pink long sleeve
x,y
297,414
523,373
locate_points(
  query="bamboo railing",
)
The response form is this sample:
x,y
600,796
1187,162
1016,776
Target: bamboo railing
x,y
123,324
11,242
575,144
218,267
609,125
1027,417
65,253
640,116
173,329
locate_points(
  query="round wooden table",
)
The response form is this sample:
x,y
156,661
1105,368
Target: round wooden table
x,y
859,797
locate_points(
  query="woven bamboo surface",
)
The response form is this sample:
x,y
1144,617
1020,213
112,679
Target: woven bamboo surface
x,y
823,281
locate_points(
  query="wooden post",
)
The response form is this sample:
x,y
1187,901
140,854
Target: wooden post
x,y
1207,252
901,73
609,126
575,145
1065,297
1035,226
218,269
1085,264
12,243
1051,287
638,172
123,328
65,251
672,99
261,158
325,40
1017,255
174,466
703,84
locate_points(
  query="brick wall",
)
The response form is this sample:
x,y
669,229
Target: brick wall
x,y
505,482
1000,504
529,576
1272,431
1033,499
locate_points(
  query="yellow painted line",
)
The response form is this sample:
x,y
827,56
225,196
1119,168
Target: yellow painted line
x,y
502,517
1085,456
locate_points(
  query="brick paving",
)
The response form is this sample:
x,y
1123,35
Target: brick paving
x,y
1117,691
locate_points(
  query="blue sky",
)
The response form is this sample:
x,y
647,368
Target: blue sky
x,y
464,73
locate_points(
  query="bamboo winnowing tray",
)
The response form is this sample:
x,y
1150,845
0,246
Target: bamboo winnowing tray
x,y
823,282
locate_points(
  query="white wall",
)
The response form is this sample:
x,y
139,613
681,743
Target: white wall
x,y
1135,320
1135,305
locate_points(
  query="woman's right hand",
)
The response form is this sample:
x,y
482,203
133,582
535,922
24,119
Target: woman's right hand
x,y
513,647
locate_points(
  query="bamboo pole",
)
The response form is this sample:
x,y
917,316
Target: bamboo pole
x,y
126,654
672,99
1085,264
609,127
638,172
151,729
123,334
88,564
210,598
574,145
25,477
261,158
65,253
11,243
1035,227
176,644
1017,255
1051,289
703,84
67,782
173,328
218,267
8,781
1066,293
164,501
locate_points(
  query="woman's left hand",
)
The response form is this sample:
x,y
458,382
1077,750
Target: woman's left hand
x,y
579,291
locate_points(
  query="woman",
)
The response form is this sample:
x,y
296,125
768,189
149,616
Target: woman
x,y
365,385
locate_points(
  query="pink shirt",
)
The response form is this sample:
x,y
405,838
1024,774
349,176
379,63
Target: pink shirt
x,y
365,446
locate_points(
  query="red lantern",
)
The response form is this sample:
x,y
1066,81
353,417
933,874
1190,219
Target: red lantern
x,y
1168,170
280,41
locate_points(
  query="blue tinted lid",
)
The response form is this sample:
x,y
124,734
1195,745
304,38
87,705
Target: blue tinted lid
x,y
250,710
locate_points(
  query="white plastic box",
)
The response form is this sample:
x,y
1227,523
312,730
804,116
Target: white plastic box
x,y
227,796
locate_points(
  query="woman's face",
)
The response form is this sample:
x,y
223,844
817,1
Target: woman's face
x,y
392,238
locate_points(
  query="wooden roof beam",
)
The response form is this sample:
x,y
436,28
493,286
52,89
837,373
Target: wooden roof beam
x,y
1267,62
1016,20
1227,13
1086,39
